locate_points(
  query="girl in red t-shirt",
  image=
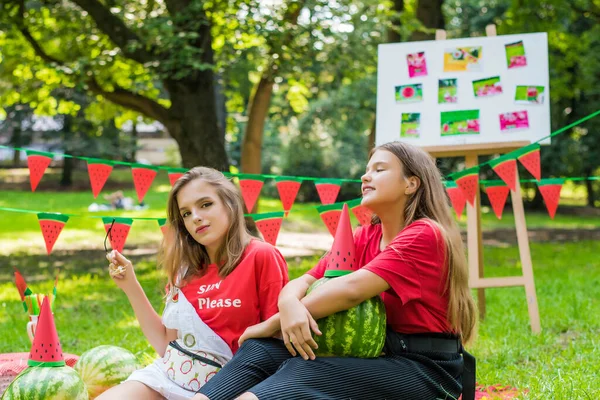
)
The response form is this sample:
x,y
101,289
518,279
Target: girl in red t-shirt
x,y
220,282
412,255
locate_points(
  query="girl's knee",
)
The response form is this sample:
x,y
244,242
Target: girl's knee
x,y
247,396
129,390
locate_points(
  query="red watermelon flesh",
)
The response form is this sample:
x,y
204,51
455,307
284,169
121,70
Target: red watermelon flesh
x,y
98,173
37,166
469,185
51,229
118,235
408,92
142,179
362,214
551,195
46,349
328,192
531,162
250,191
507,170
458,200
173,176
331,219
269,228
497,196
287,192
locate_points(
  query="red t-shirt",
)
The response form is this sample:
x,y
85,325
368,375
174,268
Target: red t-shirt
x,y
414,267
245,297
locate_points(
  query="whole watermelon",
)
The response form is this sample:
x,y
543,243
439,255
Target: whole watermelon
x,y
104,367
47,383
357,332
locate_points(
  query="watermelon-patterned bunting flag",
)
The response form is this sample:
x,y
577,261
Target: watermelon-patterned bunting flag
x,y
46,350
457,197
37,162
529,156
330,214
328,189
550,189
250,186
99,171
497,192
468,182
506,168
118,231
52,225
143,175
175,173
269,224
288,189
342,257
162,223
22,288
362,213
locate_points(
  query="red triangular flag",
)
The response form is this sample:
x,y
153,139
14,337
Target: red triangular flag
x,y
330,214
99,171
497,193
162,223
342,257
118,231
22,287
52,225
529,156
269,224
288,189
143,175
328,189
250,186
550,189
506,168
46,350
468,182
174,174
37,162
362,213
457,197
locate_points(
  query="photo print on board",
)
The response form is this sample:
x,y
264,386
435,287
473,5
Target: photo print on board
x,y
447,91
464,122
462,59
411,125
409,93
487,87
529,95
512,121
515,55
417,65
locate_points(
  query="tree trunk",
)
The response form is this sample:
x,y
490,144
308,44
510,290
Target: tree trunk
x,y
133,142
16,142
392,34
591,198
67,170
372,134
429,12
251,162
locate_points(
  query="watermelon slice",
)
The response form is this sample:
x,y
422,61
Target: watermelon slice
x,y
529,156
22,288
497,193
328,190
550,189
46,350
506,168
330,214
342,257
52,225
457,198
162,223
362,213
37,162
250,185
288,189
143,175
118,233
174,174
468,182
99,171
269,224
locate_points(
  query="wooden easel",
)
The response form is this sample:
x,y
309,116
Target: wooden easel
x,y
474,233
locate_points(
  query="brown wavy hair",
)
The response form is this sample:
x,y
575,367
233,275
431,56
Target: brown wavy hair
x,y
180,250
431,202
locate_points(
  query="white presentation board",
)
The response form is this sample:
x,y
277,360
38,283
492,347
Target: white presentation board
x,y
464,91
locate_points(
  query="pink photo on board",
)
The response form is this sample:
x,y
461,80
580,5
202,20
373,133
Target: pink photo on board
x,y
417,66
514,120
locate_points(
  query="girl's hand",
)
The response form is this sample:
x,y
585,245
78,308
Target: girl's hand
x,y
121,271
296,325
265,329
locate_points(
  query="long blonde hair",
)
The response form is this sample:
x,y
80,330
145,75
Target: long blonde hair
x,y
430,201
179,249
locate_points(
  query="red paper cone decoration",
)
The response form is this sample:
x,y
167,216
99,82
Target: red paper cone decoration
x,y
269,224
330,214
46,350
497,193
328,190
37,162
250,186
143,175
457,197
162,223
550,189
99,171
174,174
506,168
529,156
362,213
288,189
118,232
342,257
52,225
468,182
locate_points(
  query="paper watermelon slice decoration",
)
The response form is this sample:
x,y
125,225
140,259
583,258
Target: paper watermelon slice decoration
x,y
143,175
506,168
174,174
468,182
250,186
269,224
118,232
342,257
162,223
362,213
529,156
497,192
52,225
328,190
330,214
550,189
99,171
46,350
457,197
22,288
37,162
288,189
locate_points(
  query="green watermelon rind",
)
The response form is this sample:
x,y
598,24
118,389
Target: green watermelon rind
x,y
39,153
161,221
47,383
524,151
271,215
334,181
551,181
118,220
469,171
494,183
331,207
280,179
53,217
